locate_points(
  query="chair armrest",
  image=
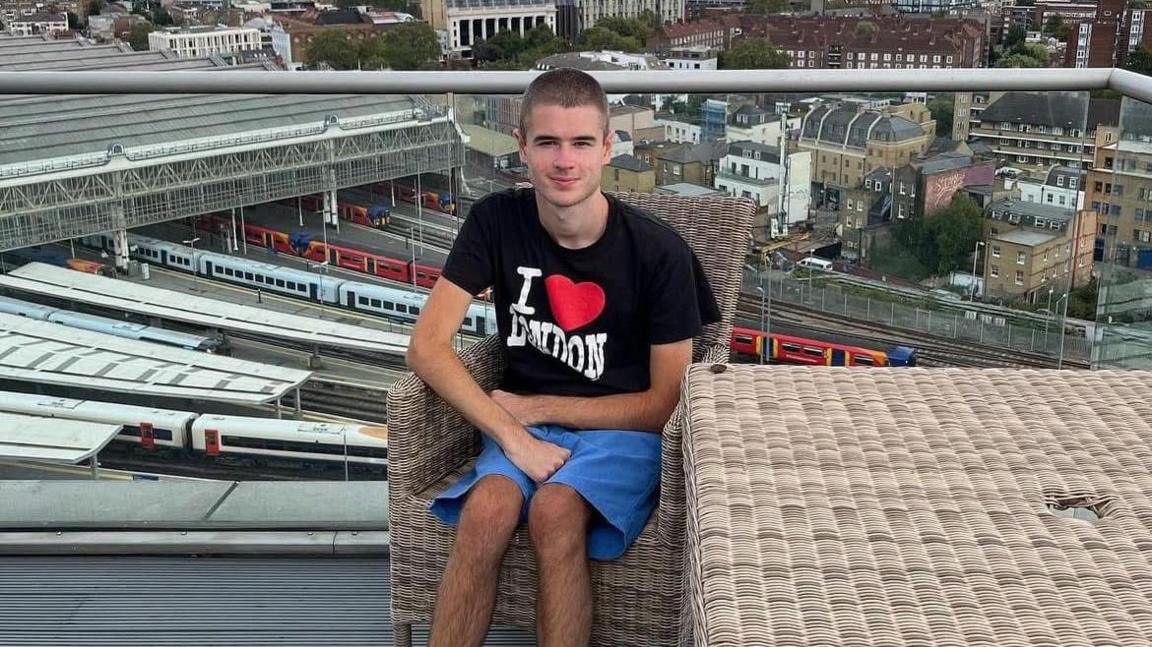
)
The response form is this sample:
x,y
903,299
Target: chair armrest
x,y
672,512
427,438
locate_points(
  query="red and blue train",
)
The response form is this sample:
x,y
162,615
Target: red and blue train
x,y
773,347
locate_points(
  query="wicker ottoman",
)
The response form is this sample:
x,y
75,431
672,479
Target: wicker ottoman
x,y
918,507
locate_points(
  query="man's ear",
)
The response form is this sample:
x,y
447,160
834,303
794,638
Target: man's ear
x,y
521,144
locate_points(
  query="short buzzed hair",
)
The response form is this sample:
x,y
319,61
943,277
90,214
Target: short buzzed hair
x,y
565,87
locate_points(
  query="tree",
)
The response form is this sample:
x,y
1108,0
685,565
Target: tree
x,y
138,35
331,48
956,229
941,108
626,27
74,22
753,54
373,54
1016,35
411,45
1018,61
765,7
943,241
1055,26
1140,61
865,28
598,39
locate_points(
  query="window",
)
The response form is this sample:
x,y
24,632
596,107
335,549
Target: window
x,y
1139,214
850,206
1060,180
1019,277
377,304
994,271
1040,222
362,300
1020,258
1062,201
995,251
868,184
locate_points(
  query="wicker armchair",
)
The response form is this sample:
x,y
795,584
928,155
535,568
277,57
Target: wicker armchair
x,y
638,598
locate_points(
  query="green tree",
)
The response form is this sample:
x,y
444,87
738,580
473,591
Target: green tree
x,y
1016,35
626,27
865,28
598,38
331,47
138,35
941,108
1140,61
765,7
1055,26
74,22
1082,301
1018,60
943,241
372,54
956,229
411,46
753,54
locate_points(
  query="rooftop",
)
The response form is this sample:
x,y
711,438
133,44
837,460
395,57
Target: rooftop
x,y
1033,209
1025,237
630,163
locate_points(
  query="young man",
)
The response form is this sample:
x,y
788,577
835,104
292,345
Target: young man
x,y
597,304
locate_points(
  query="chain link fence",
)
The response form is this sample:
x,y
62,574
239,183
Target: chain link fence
x,y
950,323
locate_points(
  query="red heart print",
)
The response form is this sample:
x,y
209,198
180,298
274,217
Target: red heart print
x,y
574,304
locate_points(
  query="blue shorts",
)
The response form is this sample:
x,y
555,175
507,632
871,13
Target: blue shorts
x,y
617,473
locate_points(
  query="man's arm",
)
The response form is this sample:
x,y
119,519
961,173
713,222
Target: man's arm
x,y
644,411
431,357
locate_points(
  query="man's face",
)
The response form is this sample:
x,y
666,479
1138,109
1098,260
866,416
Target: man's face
x,y
565,150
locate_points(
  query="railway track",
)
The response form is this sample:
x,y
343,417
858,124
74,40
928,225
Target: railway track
x,y
931,350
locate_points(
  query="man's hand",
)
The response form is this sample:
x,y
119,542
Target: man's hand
x,y
522,407
537,458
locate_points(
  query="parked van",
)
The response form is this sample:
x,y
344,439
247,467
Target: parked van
x,y
816,263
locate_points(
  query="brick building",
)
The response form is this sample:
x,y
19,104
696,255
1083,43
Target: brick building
x,y
717,33
1107,37
880,42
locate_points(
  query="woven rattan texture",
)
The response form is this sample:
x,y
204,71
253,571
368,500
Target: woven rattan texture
x,y
910,507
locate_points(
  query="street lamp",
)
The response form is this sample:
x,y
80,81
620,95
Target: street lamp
x,y
1063,326
195,268
975,257
320,278
1049,317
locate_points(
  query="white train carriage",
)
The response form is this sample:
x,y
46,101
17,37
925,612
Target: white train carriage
x,y
326,443
272,278
406,305
125,329
161,427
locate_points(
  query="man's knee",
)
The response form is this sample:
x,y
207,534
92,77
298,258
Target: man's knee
x,y
558,518
491,512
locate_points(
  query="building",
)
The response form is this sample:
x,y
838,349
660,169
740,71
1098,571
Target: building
x,y
195,42
675,163
39,23
935,7
697,9
848,142
1118,189
874,42
1030,250
1034,130
292,34
488,149
716,33
753,170
634,120
628,173
467,22
622,143
680,132
699,57
1062,186
1106,37
924,187
608,60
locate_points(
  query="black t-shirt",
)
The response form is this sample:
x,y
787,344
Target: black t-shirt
x,y
580,321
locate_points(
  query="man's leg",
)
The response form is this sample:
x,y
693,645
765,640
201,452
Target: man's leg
x,y
468,590
558,523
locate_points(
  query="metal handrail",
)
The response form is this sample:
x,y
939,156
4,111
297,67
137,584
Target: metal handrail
x,y
682,81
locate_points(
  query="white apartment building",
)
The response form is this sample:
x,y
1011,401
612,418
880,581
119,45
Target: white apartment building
x,y
752,170
38,23
591,11
680,132
1062,187
700,57
472,21
196,43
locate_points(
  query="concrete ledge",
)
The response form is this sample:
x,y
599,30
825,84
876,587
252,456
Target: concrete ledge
x,y
312,543
194,505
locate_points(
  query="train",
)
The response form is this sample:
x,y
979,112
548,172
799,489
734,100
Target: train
x,y
393,303
376,216
442,201
233,440
38,254
302,245
119,328
787,349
